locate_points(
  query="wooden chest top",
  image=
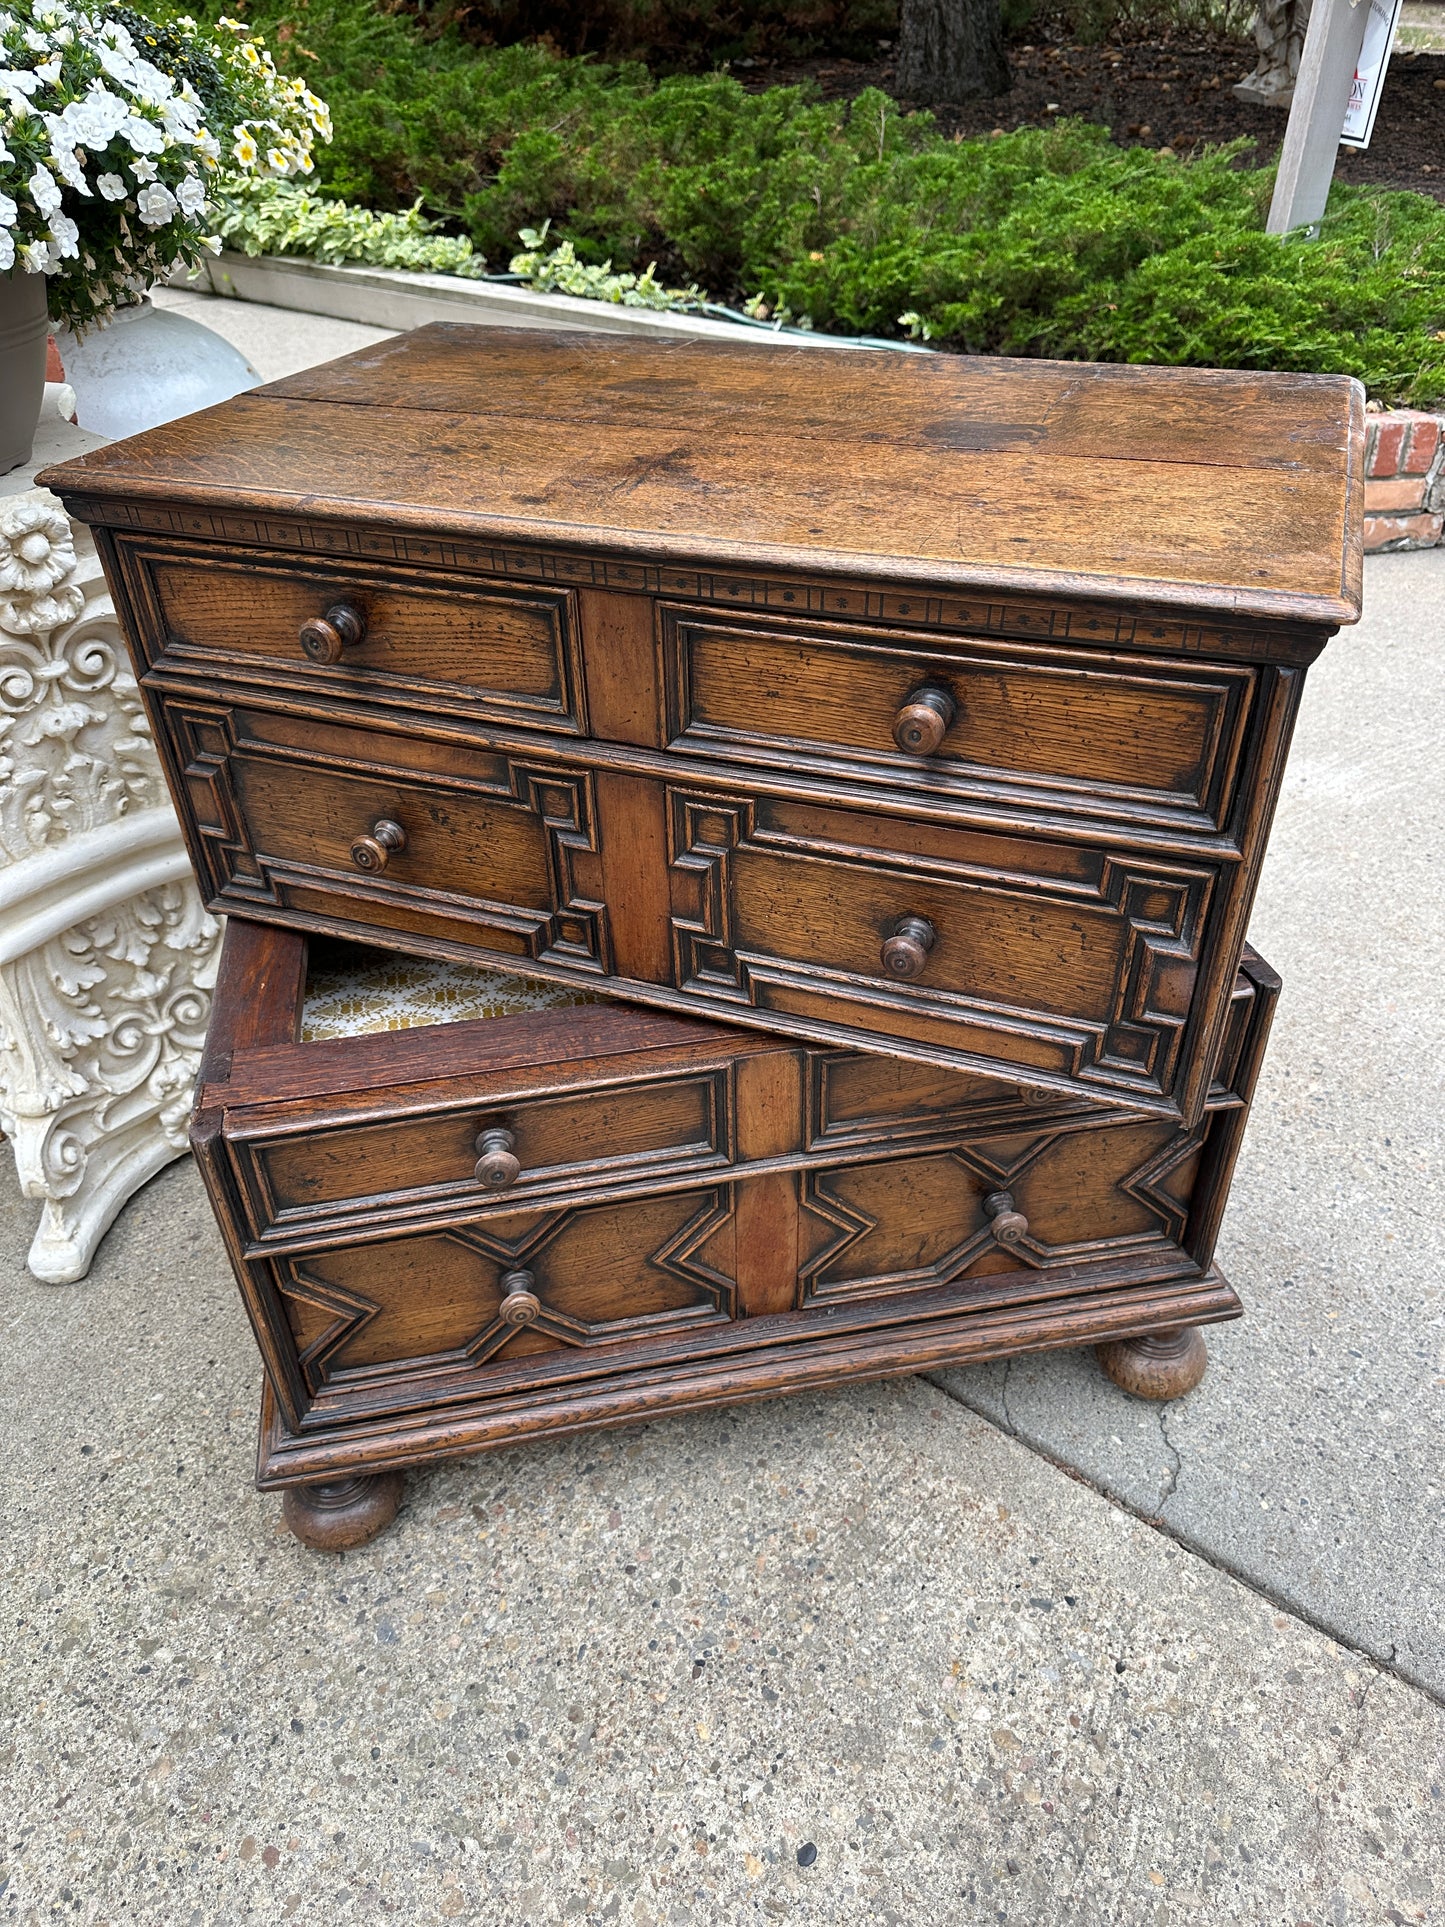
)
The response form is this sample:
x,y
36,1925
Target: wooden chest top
x,y
1232,492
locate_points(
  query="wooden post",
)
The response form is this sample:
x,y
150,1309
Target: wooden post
x,y
1317,114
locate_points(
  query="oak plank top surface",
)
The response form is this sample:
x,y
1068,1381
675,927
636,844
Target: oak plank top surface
x,y
1232,492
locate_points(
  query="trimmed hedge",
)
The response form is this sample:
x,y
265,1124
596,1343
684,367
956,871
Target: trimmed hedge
x,y
1044,242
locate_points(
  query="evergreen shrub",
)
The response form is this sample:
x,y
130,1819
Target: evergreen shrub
x,y
855,215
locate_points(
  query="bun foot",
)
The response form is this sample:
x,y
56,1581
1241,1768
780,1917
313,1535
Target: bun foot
x,y
1161,1365
344,1512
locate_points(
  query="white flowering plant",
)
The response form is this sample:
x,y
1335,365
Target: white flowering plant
x,y
117,132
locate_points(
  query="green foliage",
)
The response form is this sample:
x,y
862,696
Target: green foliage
x,y
558,271
279,217
854,216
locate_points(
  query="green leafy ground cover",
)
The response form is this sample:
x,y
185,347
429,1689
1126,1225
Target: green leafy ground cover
x,y
1042,242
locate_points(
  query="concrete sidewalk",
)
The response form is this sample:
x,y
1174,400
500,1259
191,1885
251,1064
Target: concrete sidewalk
x,y
632,1677
1310,1459
636,1676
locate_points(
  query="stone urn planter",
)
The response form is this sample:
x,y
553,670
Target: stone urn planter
x,y
148,365
23,330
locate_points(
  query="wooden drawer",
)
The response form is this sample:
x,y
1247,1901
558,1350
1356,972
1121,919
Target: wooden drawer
x,y
539,1293
539,1097
825,1218
1077,733
1073,966
1077,1190
391,834
396,636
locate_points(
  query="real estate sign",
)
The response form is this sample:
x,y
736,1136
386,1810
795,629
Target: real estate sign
x,y
1369,80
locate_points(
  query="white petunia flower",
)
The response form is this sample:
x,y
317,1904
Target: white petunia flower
x,y
9,211
192,195
181,117
35,257
156,204
65,238
151,84
112,187
143,170
117,62
44,191
7,250
91,121
144,136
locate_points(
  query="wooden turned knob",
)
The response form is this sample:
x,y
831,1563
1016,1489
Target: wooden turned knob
x,y
906,951
324,638
497,1167
370,853
520,1304
924,720
1006,1224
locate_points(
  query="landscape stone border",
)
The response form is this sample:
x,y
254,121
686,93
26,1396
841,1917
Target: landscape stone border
x,y
1404,480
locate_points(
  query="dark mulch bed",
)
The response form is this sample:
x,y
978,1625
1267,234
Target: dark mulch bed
x,y
1171,92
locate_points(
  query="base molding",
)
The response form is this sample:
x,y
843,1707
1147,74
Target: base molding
x,y
1092,1317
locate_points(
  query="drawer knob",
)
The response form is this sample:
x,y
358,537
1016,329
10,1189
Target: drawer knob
x,y
906,951
370,853
924,720
324,638
520,1304
498,1166
1006,1224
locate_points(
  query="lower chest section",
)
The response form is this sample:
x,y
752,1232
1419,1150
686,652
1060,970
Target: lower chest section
x,y
595,1210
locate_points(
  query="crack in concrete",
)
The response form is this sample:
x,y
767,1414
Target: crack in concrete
x,y
1385,1663
1176,1463
1008,1417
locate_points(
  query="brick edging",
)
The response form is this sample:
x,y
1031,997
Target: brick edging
x,y
1404,480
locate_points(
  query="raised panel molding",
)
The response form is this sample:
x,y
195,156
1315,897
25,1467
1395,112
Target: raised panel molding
x,y
329,1317
574,931
1164,910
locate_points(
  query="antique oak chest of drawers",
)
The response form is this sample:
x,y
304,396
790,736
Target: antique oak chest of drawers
x,y
919,709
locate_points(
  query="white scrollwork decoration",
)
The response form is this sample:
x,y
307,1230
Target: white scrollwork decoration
x,y
103,1014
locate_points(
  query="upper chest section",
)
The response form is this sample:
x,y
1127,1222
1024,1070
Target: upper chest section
x,y
1230,494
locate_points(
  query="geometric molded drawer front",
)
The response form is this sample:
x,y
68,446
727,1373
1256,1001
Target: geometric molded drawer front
x,y
507,654
922,1223
1037,958
639,1131
1113,736
466,1301
404,836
